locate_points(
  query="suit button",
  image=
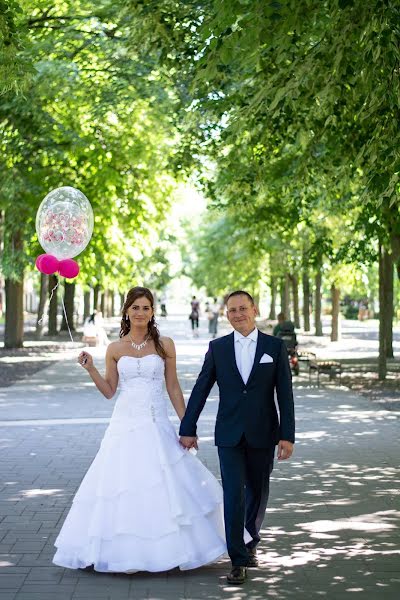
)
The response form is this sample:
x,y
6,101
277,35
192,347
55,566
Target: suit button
x,y
244,391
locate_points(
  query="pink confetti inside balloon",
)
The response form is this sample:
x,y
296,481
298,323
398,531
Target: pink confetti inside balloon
x,y
64,222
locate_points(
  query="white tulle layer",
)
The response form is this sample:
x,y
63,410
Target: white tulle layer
x,y
145,504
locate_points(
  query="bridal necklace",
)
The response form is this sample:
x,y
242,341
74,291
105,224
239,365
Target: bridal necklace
x,y
138,346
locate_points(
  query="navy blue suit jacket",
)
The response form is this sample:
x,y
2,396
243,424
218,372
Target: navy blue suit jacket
x,y
250,408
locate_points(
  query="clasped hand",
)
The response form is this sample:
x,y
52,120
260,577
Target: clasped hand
x,y
285,449
85,360
188,442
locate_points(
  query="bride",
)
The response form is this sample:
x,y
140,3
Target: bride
x,y
146,503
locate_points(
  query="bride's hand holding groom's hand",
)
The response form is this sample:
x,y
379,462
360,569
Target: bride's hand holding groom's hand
x,y
188,442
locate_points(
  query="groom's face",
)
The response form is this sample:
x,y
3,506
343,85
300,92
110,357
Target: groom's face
x,y
241,314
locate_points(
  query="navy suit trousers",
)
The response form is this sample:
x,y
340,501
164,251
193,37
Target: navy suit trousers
x,y
245,473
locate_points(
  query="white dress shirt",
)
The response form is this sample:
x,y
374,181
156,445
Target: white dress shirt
x,y
238,337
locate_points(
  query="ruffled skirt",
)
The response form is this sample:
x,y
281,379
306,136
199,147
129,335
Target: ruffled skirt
x,y
145,504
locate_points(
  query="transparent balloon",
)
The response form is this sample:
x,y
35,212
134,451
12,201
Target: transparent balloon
x,y
64,222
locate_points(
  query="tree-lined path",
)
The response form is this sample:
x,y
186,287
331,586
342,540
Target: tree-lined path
x,y
222,145
332,529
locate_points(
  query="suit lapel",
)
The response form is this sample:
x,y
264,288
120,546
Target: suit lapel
x,y
232,356
257,357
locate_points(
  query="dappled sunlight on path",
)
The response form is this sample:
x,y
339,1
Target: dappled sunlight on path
x,y
333,523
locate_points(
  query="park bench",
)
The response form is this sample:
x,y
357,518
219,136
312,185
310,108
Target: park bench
x,y
305,358
333,368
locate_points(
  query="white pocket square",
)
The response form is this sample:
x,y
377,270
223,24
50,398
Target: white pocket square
x,y
266,358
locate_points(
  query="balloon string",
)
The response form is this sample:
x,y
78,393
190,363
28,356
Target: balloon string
x,y
66,319
40,321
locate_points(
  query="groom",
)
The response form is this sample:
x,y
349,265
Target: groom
x,y
248,367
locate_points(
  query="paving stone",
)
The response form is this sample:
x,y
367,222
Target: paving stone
x,y
44,574
10,581
43,595
331,532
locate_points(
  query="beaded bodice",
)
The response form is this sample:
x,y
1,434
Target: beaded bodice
x,y
149,368
141,388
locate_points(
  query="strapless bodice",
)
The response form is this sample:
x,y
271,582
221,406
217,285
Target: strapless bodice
x,y
141,396
132,370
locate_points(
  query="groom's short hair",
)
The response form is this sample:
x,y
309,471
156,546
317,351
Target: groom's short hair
x,y
240,293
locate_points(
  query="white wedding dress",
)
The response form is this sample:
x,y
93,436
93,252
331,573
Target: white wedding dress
x,y
145,504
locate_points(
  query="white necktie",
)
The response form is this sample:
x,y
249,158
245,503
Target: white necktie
x,y
245,359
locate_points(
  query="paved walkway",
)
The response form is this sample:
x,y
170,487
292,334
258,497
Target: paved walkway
x,y
332,529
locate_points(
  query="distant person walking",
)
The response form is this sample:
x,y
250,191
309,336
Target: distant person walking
x,y
163,305
194,315
281,324
94,333
213,315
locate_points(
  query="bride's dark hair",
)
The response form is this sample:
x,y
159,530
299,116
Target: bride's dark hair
x,y
133,294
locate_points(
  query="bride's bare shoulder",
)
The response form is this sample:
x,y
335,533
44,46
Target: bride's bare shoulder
x,y
167,342
117,343
115,347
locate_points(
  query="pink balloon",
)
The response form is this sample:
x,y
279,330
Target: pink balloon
x,y
68,268
39,260
48,264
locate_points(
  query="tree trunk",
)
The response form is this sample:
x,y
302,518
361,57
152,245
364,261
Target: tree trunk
x,y
109,303
306,301
295,294
96,292
53,306
335,331
122,301
2,284
389,302
106,303
86,304
385,310
14,317
112,304
282,293
272,310
13,247
2,299
318,303
285,296
69,295
44,287
103,302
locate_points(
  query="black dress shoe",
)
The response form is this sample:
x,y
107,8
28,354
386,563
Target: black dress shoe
x,y
237,575
253,560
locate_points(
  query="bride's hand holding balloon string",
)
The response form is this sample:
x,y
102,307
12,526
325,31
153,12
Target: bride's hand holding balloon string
x,y
85,360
